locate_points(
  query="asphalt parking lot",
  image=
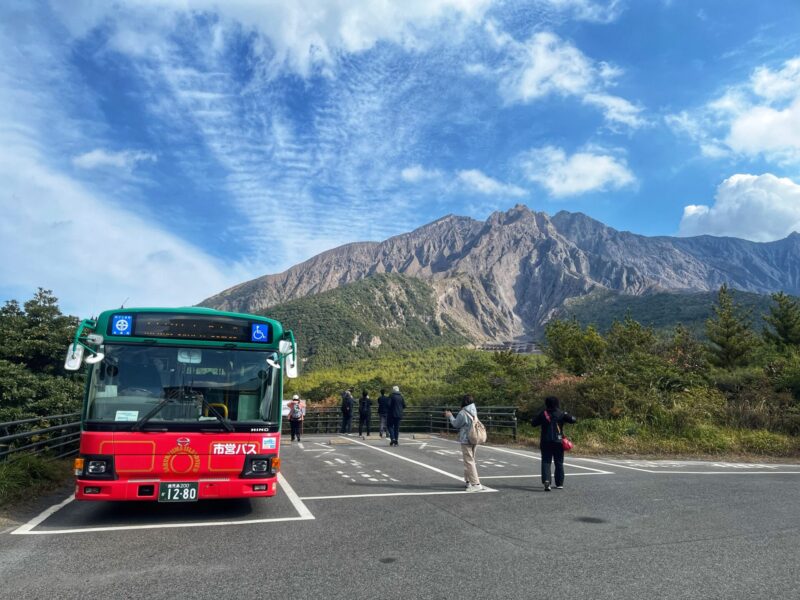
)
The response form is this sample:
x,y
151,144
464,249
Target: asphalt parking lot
x,y
357,519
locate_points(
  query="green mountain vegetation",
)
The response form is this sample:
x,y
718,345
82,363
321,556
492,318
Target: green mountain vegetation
x,y
429,376
662,311
33,343
381,314
634,389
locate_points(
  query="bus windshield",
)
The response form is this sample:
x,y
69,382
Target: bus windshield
x,y
189,384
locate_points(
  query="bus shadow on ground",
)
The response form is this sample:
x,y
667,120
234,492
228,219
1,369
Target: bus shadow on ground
x,y
202,510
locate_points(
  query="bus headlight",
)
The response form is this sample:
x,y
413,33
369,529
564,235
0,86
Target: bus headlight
x,y
97,467
260,465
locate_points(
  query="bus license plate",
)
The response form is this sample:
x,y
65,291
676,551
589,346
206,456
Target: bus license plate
x,y
177,492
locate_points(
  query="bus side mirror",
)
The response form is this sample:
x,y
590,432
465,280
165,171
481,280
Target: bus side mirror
x,y
74,357
289,351
291,366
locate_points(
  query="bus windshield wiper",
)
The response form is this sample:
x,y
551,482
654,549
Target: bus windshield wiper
x,y
138,425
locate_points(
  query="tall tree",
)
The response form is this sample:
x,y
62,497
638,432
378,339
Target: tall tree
x,y
573,348
730,334
783,322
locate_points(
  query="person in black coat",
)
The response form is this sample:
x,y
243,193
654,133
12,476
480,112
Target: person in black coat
x,y
364,412
383,412
552,420
396,406
347,411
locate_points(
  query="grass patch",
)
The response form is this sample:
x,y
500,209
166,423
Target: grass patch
x,y
30,475
625,436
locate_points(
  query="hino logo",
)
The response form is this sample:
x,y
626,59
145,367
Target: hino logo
x,y
253,429
183,441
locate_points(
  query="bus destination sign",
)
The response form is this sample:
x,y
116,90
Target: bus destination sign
x,y
189,327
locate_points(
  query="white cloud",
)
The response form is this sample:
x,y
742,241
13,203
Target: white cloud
x,y
761,208
418,173
302,36
769,131
547,65
759,117
590,10
777,85
92,254
583,172
98,158
616,109
477,181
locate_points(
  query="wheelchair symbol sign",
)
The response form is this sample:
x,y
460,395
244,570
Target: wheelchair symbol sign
x,y
259,333
121,324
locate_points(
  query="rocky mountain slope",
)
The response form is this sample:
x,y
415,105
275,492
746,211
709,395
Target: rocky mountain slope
x,y
502,279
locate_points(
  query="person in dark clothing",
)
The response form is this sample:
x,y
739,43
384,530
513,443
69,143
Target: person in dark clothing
x,y
347,411
383,412
396,405
552,420
297,411
364,412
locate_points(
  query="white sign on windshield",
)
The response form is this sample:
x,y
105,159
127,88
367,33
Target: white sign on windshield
x,y
127,415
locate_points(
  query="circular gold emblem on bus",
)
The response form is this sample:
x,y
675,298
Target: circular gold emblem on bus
x,y
181,460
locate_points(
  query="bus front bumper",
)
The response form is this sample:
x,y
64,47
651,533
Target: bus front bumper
x,y
148,489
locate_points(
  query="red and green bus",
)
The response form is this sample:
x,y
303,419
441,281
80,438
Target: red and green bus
x,y
180,404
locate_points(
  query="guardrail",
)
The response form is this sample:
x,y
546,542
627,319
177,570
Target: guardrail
x,y
58,435
499,420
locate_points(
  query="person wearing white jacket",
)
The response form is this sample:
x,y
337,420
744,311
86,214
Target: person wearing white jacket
x,y
463,422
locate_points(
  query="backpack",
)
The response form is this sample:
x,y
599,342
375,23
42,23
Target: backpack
x,y
477,431
296,412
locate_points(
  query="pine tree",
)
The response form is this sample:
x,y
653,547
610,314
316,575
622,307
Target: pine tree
x,y
729,332
783,322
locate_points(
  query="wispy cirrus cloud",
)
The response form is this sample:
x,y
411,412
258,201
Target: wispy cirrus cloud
x,y
590,10
418,173
125,159
565,175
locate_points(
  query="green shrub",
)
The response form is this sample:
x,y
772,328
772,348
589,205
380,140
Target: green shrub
x,y
29,475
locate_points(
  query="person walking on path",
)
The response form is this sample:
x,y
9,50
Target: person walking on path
x,y
552,420
297,411
463,422
347,411
364,413
396,406
383,412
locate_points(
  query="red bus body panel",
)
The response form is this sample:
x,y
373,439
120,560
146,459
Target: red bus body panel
x,y
214,460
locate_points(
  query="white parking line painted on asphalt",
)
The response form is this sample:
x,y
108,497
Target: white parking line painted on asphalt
x,y
568,475
530,455
411,460
461,492
26,528
660,471
304,514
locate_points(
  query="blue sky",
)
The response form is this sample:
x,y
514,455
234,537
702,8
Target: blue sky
x,y
159,151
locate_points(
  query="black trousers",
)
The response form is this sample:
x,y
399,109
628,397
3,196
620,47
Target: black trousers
x,y
555,452
363,422
296,426
347,423
394,428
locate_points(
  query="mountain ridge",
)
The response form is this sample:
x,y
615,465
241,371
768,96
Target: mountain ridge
x,y
503,278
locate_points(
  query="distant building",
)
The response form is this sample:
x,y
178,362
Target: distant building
x,y
516,347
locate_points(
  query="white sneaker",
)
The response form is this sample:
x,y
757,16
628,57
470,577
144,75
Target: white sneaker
x,y
475,488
